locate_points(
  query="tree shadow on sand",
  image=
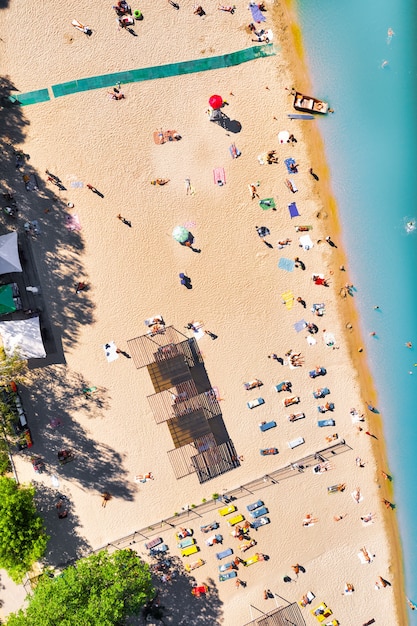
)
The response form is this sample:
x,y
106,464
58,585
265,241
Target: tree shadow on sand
x,y
56,250
96,466
65,544
174,598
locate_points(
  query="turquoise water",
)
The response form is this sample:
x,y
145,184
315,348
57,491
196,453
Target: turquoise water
x,y
371,147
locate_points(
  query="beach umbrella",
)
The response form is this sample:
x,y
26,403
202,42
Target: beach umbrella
x,y
263,231
216,102
180,234
283,136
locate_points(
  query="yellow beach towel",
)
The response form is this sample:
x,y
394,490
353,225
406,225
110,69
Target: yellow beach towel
x,y
288,299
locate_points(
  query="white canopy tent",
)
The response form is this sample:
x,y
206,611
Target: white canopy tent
x,y
23,336
9,254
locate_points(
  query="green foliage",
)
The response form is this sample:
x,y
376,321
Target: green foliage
x,y
22,534
100,590
12,368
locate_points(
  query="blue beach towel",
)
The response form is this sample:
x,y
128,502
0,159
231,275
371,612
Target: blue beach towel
x,y
300,325
286,264
288,163
257,14
293,210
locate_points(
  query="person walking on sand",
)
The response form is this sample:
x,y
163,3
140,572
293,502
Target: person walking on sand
x,y
313,174
254,193
105,498
124,220
302,302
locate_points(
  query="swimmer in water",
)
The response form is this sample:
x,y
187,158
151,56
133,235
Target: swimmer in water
x,y
409,344
390,34
384,64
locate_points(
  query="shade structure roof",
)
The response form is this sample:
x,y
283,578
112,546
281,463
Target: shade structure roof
x,y
9,254
23,337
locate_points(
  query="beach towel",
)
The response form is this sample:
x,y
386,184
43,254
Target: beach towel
x,y
219,176
311,341
305,242
286,264
355,495
363,558
329,339
110,351
288,163
299,326
293,210
267,203
291,185
72,222
234,152
288,299
76,184
31,182
257,14
165,136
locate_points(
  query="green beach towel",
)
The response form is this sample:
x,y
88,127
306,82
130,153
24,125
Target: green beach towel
x,y
267,203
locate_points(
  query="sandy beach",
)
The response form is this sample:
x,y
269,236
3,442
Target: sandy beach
x,y
132,274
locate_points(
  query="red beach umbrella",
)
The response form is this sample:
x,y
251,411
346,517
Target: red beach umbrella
x,y
216,102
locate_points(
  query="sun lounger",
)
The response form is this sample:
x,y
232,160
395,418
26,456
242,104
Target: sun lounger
x,y
268,451
224,553
305,242
254,403
296,442
194,565
251,560
245,545
252,384
293,210
161,548
320,371
226,510
199,591
227,567
321,612
290,400
260,512
262,521
209,527
307,599
335,488
289,162
284,386
219,176
232,521
190,550
329,406
267,203
321,393
211,541
295,416
255,505
152,544
266,426
323,423
185,543
227,575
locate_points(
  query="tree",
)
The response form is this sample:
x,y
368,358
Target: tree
x,y
12,367
22,533
99,590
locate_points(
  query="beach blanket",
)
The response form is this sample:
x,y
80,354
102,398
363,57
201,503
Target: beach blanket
x,y
234,152
72,222
267,203
76,184
288,299
293,210
164,136
286,264
31,182
299,326
257,14
291,185
311,341
219,176
363,559
357,496
288,163
110,351
329,339
305,242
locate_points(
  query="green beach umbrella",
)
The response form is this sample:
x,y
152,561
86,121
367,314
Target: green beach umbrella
x,y
180,234
7,304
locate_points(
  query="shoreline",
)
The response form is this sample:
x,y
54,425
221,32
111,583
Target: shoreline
x,y
236,288
295,55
